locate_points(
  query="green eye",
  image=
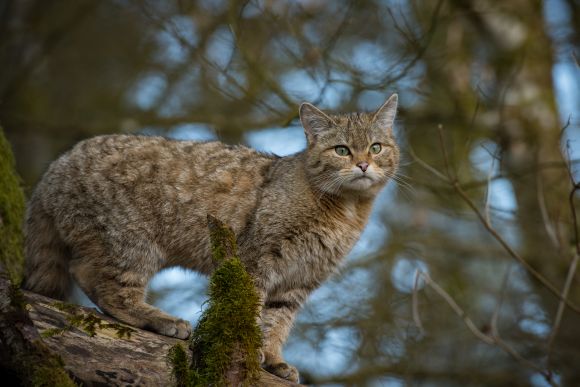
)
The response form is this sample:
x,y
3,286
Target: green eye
x,y
376,148
341,150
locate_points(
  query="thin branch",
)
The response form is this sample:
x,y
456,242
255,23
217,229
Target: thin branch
x,y
566,125
513,353
503,291
565,292
459,190
456,308
545,216
416,317
574,265
487,189
494,339
532,169
535,274
445,156
427,166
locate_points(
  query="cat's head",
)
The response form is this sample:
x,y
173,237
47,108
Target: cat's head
x,y
350,153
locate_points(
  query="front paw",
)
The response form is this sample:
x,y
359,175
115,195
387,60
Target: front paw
x,y
178,328
283,370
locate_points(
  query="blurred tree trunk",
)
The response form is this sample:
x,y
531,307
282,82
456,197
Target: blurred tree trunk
x,y
530,136
509,57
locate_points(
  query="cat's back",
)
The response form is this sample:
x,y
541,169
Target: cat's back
x,y
125,158
148,179
130,159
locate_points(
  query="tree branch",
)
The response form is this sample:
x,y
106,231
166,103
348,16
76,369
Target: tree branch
x,y
93,352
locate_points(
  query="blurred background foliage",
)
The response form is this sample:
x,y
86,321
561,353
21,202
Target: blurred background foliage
x,y
433,294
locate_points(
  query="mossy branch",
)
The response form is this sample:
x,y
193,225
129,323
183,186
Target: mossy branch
x,y
88,322
11,213
227,340
223,240
22,353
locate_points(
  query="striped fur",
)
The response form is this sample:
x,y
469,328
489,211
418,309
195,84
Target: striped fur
x,y
115,210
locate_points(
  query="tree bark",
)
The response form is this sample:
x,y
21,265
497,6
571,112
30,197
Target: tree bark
x,y
93,354
24,359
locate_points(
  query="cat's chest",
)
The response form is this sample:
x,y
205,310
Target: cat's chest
x,y
310,257
332,242
334,232
309,245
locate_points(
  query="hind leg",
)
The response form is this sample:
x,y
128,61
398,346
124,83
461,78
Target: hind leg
x,y
118,288
46,254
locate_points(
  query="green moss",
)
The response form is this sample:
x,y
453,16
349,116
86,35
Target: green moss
x,y
17,299
30,360
50,374
88,322
11,213
122,331
50,332
223,240
227,337
181,371
64,306
228,325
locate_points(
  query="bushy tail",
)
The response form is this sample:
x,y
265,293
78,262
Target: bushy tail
x,y
46,254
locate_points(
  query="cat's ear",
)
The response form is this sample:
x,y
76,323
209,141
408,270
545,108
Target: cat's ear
x,y
385,116
314,121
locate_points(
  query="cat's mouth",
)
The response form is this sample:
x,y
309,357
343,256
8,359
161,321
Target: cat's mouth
x,y
363,178
361,182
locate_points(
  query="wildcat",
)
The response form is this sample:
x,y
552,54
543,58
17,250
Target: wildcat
x,y
116,209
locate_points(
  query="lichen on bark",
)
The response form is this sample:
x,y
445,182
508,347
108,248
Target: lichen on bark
x,y
90,323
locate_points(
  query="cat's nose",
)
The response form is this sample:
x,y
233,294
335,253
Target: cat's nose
x,y
363,166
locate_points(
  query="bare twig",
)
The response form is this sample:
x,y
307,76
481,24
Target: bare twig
x,y
565,125
545,216
456,308
416,317
574,265
487,190
494,339
427,166
445,156
565,292
535,274
502,292
492,231
532,169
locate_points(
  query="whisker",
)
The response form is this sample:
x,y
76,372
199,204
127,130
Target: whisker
x,y
406,189
399,174
331,184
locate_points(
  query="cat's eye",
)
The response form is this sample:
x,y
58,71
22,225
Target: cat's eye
x,y
341,150
376,148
